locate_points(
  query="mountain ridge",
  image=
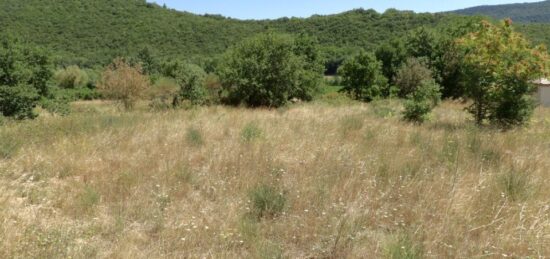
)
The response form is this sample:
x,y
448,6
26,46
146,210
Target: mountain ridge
x,y
535,12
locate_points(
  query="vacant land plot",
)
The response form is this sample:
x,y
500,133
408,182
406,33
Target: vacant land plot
x,y
310,181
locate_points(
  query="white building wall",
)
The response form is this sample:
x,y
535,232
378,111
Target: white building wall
x,y
544,96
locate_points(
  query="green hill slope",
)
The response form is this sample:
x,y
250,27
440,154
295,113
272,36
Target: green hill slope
x,y
93,32
538,12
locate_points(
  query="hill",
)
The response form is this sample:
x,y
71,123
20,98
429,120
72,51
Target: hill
x,y
93,32
538,12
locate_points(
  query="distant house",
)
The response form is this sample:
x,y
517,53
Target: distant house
x,y
543,92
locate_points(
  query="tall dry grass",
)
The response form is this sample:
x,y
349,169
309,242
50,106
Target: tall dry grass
x,y
331,182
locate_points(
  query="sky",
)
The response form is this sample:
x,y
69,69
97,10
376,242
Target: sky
x,y
272,9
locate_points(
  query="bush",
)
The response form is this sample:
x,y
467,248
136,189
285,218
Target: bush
x,y
72,77
24,76
500,66
411,75
124,83
190,79
162,94
250,132
421,102
18,101
269,70
267,201
362,77
194,137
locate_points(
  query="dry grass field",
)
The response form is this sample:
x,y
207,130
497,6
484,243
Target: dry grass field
x,y
307,181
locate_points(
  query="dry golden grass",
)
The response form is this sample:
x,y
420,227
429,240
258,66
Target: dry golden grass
x,y
358,183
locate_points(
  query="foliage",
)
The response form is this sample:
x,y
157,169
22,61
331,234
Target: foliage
x,y
538,12
410,76
269,70
362,77
421,102
190,36
392,54
190,79
123,82
267,201
71,77
501,66
18,101
251,132
24,75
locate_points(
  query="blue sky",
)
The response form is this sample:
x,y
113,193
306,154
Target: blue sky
x,y
269,9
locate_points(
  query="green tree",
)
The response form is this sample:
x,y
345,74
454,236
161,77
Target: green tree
x,y
307,48
148,61
392,54
501,65
421,101
71,77
362,77
268,70
191,79
410,76
24,75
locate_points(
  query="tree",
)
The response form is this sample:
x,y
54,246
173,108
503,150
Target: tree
x,y
410,76
392,54
190,78
500,66
24,75
307,48
72,77
123,82
269,70
362,77
421,101
148,61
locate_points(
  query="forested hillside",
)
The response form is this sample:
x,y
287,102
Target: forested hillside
x,y
93,32
538,12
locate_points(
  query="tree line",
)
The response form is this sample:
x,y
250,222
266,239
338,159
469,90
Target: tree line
x,y
490,65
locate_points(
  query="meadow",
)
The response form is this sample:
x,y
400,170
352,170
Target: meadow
x,y
313,180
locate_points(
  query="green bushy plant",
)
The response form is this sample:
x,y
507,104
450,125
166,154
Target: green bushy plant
x,y
269,70
190,79
362,77
71,77
24,75
501,65
421,102
411,75
18,101
267,201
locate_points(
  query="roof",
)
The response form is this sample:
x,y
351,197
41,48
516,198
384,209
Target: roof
x,y
542,81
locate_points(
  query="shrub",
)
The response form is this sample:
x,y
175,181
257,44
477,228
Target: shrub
x,y
421,102
250,132
411,75
194,137
515,185
500,65
123,82
162,94
24,76
392,54
362,77
71,77
267,201
18,101
9,145
404,248
190,79
269,70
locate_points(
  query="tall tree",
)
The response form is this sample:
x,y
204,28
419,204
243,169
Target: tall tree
x,y
501,66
